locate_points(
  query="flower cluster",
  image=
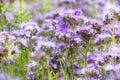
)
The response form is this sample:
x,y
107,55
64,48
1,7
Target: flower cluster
x,y
73,40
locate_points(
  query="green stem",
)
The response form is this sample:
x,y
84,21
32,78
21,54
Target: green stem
x,y
112,1
8,44
66,51
2,22
113,36
20,2
94,9
30,46
48,69
72,63
85,59
2,17
85,56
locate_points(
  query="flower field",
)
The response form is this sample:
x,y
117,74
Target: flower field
x,y
59,39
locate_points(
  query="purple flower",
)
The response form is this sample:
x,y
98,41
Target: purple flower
x,y
87,29
91,58
77,71
75,14
49,24
68,1
4,36
9,16
31,75
29,29
36,18
31,64
101,37
91,70
2,76
53,65
63,26
117,33
76,38
53,14
54,61
109,67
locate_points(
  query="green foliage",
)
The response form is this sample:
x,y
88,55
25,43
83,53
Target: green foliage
x,y
46,8
19,66
1,5
23,16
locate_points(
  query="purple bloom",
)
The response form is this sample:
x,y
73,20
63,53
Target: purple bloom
x,y
109,67
68,1
77,71
2,76
29,29
87,29
75,14
53,65
54,61
9,16
117,33
53,14
62,26
76,38
101,37
92,71
91,58
36,18
31,64
31,75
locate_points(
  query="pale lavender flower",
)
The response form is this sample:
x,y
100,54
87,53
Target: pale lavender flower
x,y
2,76
90,58
53,14
3,50
29,29
53,65
54,61
68,1
31,64
77,71
50,24
91,70
36,18
101,37
109,67
31,76
76,14
9,16
4,36
76,38
117,33
87,29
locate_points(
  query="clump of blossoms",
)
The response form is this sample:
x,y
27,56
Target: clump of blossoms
x,y
76,31
69,45
87,6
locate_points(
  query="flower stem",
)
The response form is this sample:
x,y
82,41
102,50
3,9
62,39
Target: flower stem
x,y
30,45
66,51
20,2
113,36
